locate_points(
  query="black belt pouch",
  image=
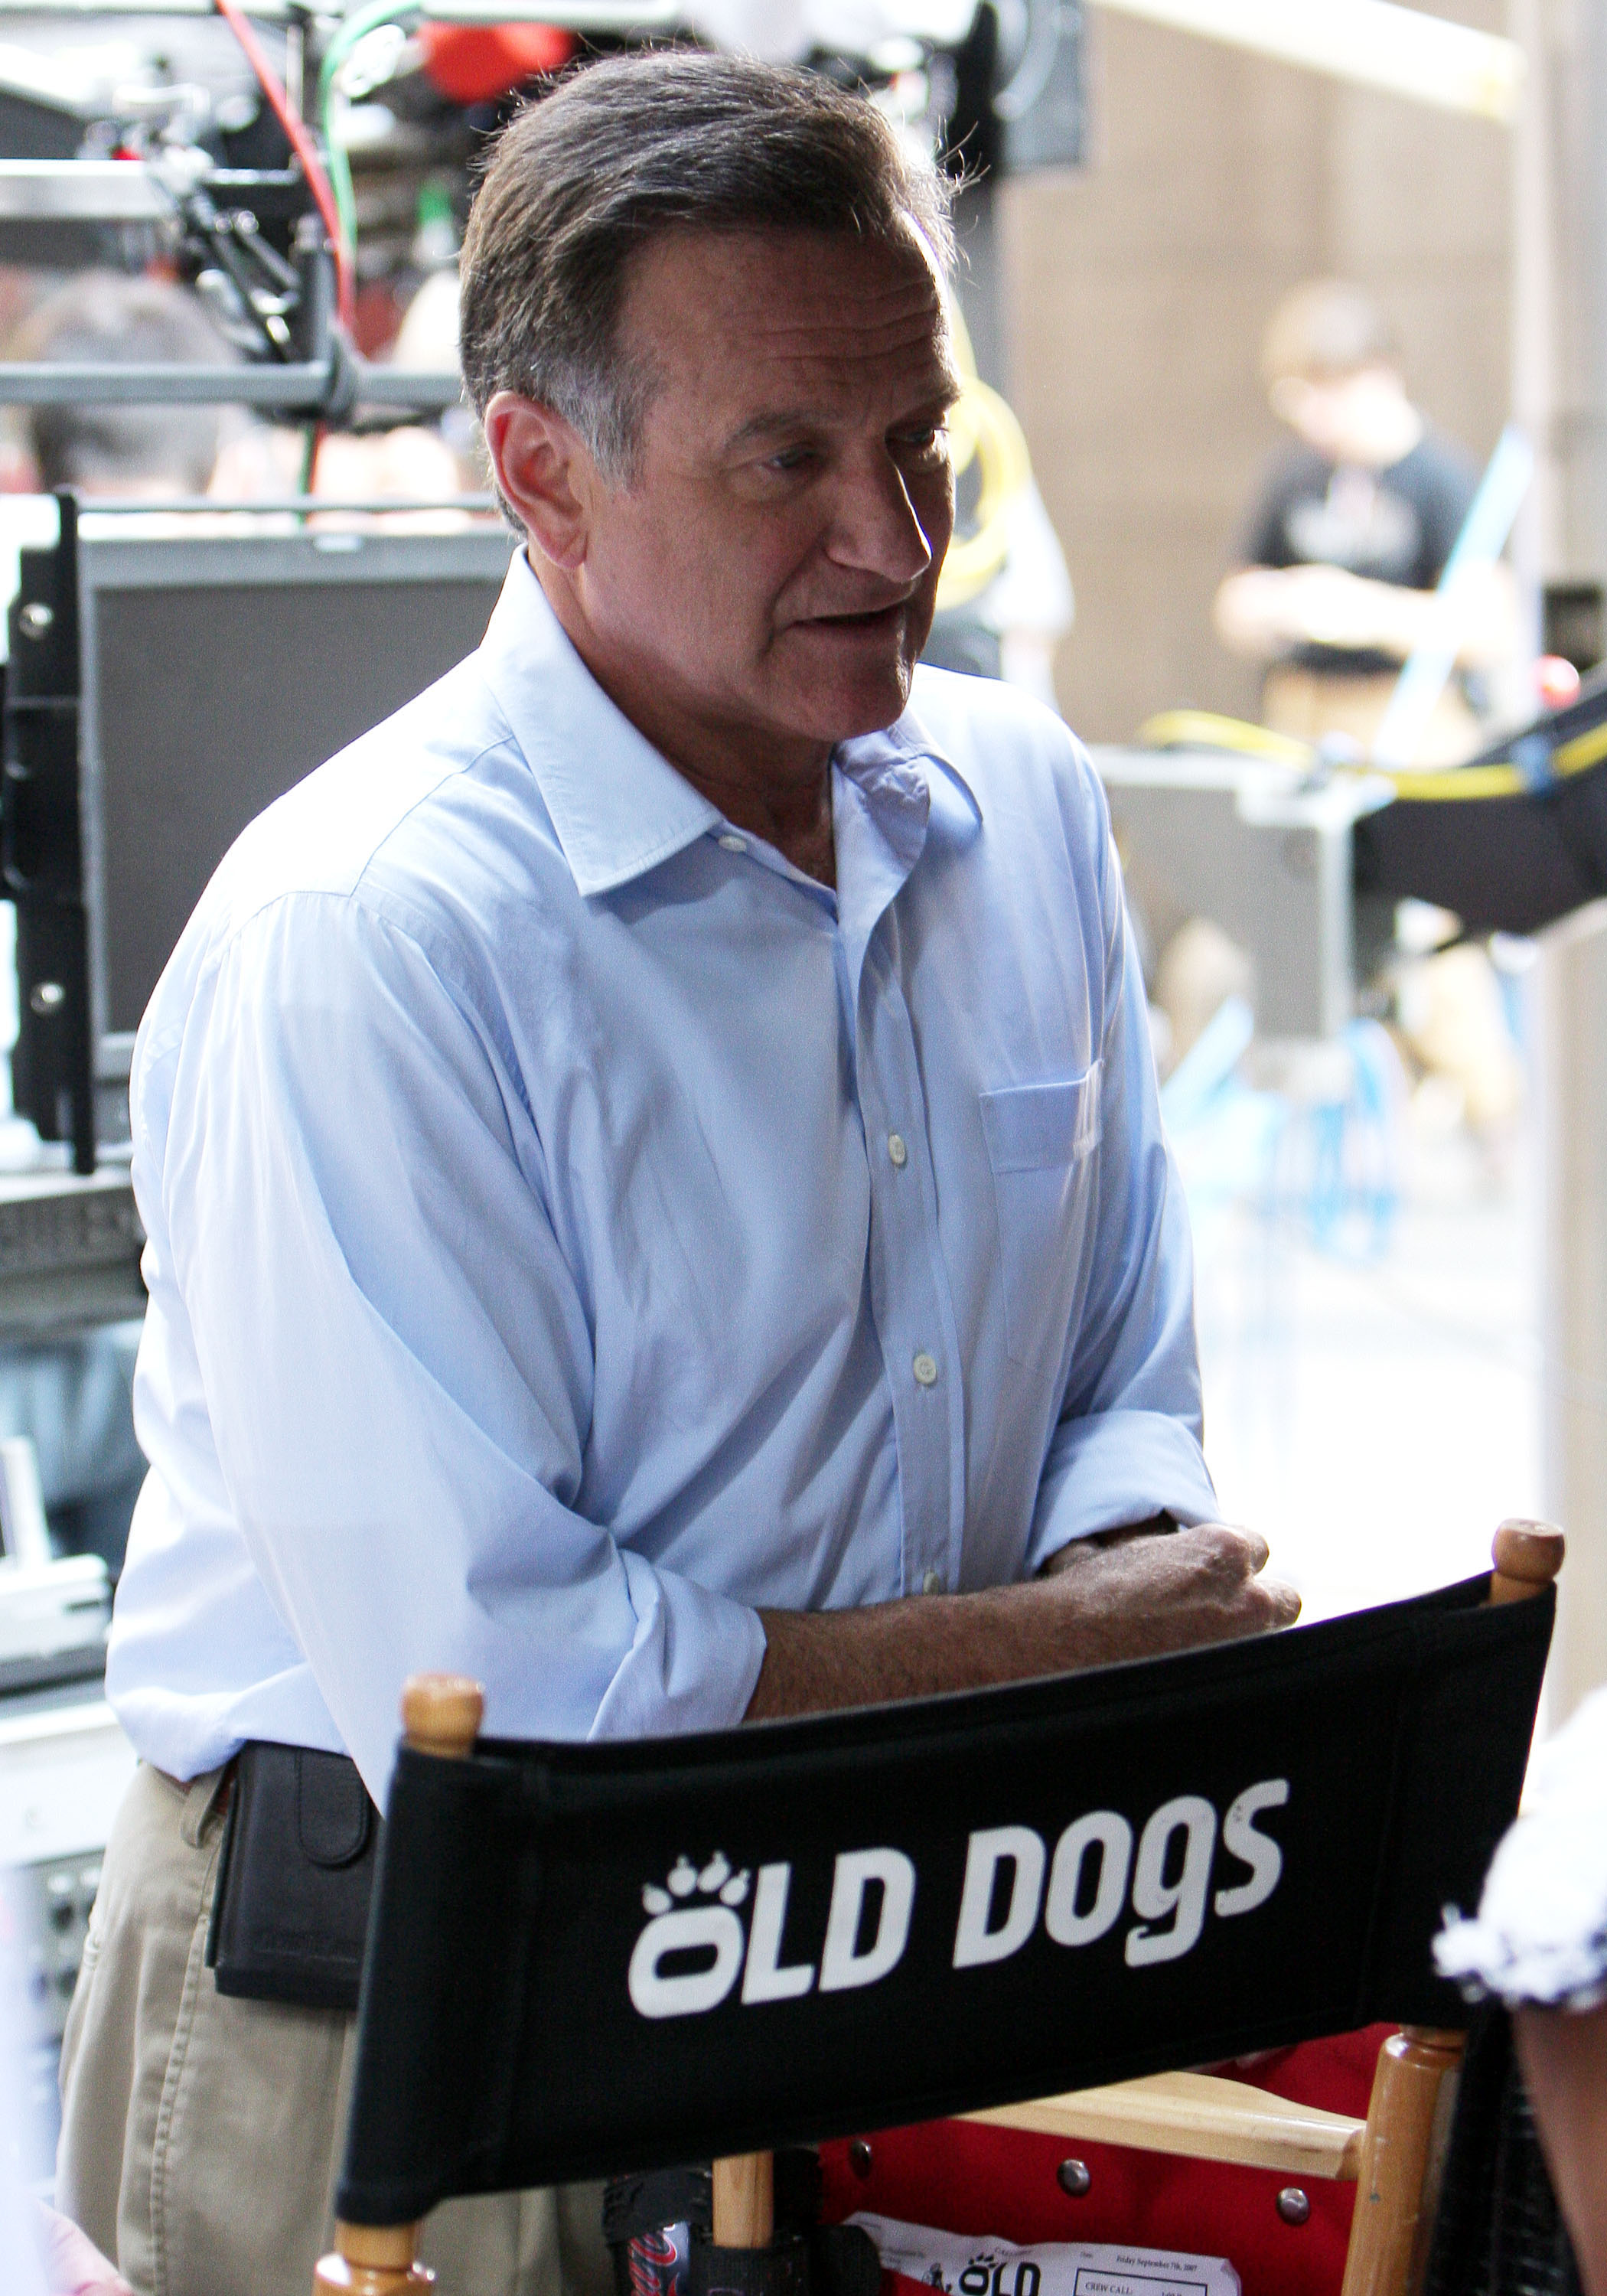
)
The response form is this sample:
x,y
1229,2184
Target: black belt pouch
x,y
290,1916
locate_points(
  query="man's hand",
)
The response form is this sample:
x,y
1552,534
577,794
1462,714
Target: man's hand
x,y
1142,1594
1127,1594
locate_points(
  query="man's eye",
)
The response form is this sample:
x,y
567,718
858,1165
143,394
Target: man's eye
x,y
929,443
792,459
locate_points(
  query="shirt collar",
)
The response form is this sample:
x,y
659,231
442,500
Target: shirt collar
x,y
618,805
887,765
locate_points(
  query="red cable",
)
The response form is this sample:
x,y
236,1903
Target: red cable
x,y
301,144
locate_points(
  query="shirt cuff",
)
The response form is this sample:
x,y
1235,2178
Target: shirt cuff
x,y
692,1666
1115,1468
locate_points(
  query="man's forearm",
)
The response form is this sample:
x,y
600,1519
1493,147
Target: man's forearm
x,y
1262,611
1131,1597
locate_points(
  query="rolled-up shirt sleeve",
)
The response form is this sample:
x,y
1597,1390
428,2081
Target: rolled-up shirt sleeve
x,y
396,1356
1128,1442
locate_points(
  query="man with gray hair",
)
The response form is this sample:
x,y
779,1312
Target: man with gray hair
x,y
655,1192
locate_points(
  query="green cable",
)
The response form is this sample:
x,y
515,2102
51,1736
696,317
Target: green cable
x,y
338,168
355,29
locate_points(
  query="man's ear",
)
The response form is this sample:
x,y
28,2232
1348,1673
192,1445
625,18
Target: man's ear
x,y
545,472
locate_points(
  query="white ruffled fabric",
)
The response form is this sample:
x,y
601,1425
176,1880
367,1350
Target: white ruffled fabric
x,y
1540,1934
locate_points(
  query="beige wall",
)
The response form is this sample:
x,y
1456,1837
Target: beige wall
x,y
1135,294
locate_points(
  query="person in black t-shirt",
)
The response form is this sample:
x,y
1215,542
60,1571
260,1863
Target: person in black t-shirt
x,y
1339,559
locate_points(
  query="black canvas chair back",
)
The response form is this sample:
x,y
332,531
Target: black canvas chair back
x,y
590,1959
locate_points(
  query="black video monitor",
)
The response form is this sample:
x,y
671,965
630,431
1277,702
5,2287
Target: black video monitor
x,y
218,670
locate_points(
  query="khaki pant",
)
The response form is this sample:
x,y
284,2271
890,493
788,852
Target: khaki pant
x,y
201,2138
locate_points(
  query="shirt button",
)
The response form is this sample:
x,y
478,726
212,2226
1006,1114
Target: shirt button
x,y
897,1149
934,1583
925,1368
732,843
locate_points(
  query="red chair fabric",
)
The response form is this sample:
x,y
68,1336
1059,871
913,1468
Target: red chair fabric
x,y
961,2176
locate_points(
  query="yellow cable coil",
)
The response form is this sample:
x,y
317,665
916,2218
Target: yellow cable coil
x,y
982,428
1202,729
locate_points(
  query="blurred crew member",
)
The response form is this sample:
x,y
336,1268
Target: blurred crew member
x,y
1538,1942
103,319
1340,557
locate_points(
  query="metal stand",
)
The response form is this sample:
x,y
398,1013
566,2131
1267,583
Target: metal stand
x,y
42,846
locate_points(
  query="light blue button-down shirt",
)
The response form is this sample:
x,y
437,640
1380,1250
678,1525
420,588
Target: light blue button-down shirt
x,y
571,1227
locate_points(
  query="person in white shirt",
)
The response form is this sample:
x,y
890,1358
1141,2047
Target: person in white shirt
x,y
653,1180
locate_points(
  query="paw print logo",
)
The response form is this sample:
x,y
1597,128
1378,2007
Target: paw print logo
x,y
717,1879
688,1956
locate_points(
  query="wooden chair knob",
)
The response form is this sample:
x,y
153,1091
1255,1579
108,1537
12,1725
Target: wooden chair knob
x,y
373,2261
1526,1556
441,1713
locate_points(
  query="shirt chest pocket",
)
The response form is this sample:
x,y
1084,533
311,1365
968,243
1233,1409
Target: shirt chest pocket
x,y
1041,1142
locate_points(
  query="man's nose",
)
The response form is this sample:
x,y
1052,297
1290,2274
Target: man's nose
x,y
875,528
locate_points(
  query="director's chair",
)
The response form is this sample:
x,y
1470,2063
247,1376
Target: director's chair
x,y
589,1959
